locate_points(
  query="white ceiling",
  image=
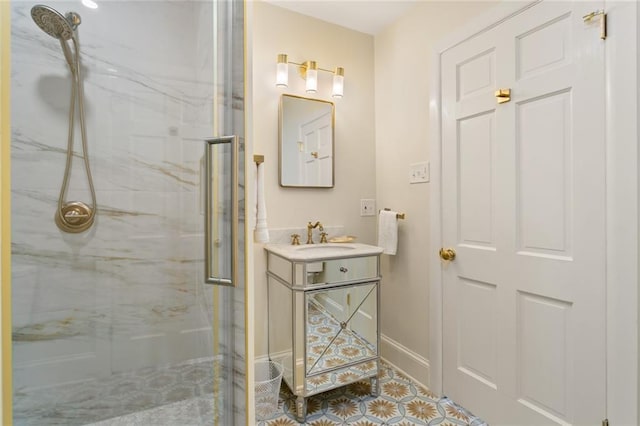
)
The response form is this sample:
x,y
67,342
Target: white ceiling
x,y
367,16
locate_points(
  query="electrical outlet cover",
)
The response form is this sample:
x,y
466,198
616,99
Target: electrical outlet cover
x,y
367,207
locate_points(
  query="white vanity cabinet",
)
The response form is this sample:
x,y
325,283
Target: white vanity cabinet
x,y
323,316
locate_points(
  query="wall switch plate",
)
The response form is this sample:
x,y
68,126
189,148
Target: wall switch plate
x,y
419,172
367,207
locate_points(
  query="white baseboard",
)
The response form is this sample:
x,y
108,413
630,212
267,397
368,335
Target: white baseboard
x,y
411,364
261,358
274,356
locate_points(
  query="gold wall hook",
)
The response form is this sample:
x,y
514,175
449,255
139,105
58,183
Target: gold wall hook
x,y
503,95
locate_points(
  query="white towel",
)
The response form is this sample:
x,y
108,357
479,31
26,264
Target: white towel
x,y
388,231
261,233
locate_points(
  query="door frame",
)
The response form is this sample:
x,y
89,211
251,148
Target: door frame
x,y
622,195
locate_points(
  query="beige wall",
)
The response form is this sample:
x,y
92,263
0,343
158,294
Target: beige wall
x,y
402,64
374,148
276,30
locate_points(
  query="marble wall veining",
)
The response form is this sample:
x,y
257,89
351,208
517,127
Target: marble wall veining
x,y
129,292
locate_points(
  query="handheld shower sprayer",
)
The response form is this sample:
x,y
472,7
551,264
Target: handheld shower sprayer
x,y
71,216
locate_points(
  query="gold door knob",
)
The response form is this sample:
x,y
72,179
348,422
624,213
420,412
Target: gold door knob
x,y
447,254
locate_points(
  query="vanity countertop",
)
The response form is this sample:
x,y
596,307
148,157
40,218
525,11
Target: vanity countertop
x,y
317,252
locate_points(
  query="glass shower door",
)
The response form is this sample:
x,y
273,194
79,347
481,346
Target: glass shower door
x,y
225,242
121,320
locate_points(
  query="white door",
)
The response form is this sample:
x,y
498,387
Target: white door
x,y
524,209
317,136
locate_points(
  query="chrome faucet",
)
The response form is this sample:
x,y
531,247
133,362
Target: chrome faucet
x,y
310,227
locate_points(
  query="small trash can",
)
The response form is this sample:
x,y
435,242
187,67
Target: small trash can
x,y
268,376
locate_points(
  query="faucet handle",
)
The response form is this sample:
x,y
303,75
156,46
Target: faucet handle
x,y
295,239
323,237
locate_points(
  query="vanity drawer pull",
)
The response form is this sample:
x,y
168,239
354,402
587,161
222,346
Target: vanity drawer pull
x,y
343,269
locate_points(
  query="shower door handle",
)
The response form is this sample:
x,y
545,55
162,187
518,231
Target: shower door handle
x,y
221,210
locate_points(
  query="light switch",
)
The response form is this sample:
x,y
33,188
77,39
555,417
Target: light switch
x,y
419,172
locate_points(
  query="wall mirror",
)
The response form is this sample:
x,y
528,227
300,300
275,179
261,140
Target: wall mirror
x,y
306,142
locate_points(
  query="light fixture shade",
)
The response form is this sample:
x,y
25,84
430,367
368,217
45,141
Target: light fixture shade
x,y
90,4
312,77
338,83
282,71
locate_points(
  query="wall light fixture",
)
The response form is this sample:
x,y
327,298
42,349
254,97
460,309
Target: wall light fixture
x,y
309,71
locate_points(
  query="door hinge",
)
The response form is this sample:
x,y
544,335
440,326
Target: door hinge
x,y
605,422
603,21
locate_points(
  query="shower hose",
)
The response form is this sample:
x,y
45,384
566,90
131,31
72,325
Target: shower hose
x,y
75,216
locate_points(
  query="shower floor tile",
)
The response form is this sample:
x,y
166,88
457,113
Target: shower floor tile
x,y
190,412
117,395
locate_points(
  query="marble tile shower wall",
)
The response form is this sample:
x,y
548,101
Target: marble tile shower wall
x,y
128,293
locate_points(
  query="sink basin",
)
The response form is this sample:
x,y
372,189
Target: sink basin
x,y
314,252
325,247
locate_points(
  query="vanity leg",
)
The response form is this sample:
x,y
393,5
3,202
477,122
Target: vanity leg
x,y
301,409
375,386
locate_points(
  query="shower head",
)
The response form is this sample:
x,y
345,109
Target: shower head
x,y
54,23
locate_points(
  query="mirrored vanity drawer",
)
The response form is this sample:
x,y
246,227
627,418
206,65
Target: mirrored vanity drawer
x,y
333,271
328,272
337,270
311,265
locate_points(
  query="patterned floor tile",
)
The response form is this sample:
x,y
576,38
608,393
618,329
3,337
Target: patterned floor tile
x,y
401,402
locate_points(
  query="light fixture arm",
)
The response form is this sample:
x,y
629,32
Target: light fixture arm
x,y
302,68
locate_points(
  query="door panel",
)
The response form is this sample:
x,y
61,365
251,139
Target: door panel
x,y
523,206
543,353
476,313
543,146
477,75
543,47
476,137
